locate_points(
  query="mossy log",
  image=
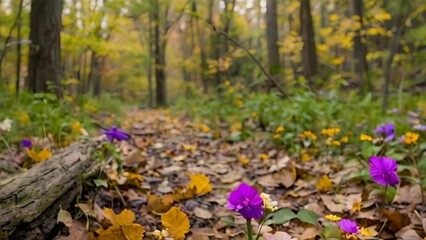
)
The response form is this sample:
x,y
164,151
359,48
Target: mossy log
x,y
30,200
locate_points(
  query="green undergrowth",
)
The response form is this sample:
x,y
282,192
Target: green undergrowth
x,y
45,116
302,111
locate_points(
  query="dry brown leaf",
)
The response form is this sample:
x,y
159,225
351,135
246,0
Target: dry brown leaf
x,y
203,213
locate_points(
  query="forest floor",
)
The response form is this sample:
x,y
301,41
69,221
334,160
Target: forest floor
x,y
173,162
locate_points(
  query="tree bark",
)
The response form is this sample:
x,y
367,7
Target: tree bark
x,y
160,59
272,38
360,49
18,49
45,51
27,197
309,52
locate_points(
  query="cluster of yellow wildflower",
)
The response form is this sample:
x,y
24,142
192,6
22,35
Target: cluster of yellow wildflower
x,y
308,134
157,234
411,137
268,203
331,132
365,137
278,130
332,142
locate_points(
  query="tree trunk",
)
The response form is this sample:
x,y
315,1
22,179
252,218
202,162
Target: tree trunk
x,y
96,65
30,201
272,38
360,49
18,49
309,52
160,59
45,51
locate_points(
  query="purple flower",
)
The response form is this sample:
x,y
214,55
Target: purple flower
x,y
420,127
26,143
388,130
383,170
115,133
348,226
247,201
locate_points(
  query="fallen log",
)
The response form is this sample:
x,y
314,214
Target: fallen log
x,y
30,201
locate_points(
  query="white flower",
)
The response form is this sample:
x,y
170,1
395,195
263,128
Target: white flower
x,y
268,203
6,125
163,234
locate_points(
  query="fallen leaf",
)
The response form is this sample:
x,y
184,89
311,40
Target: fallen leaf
x,y
203,213
176,222
65,218
324,184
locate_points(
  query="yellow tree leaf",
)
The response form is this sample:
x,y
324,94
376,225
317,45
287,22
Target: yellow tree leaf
x,y
324,184
126,217
201,184
176,222
133,232
159,204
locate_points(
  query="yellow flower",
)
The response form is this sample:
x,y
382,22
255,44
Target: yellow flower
x,y
368,232
76,127
331,132
335,143
332,217
279,129
411,138
306,157
308,134
160,235
227,83
365,137
344,139
268,203
243,160
239,103
276,136
264,156
254,114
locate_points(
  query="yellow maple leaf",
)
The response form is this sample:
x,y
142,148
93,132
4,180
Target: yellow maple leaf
x,y
176,222
244,160
122,227
159,204
41,156
188,147
126,217
368,232
324,184
356,207
199,182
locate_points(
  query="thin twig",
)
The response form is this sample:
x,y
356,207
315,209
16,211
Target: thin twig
x,y
255,60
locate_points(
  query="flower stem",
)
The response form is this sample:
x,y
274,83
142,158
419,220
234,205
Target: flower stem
x,y
385,200
249,229
7,145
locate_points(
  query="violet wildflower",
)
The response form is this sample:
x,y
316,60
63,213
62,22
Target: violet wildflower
x,y
348,226
383,171
26,143
115,133
247,201
388,130
420,127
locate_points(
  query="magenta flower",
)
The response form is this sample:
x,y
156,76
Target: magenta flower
x,y
26,143
383,171
247,201
117,134
388,130
348,226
